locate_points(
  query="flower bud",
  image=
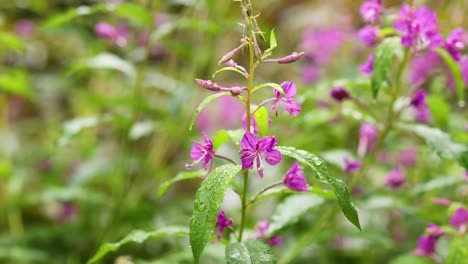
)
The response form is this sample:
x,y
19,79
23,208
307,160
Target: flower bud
x,y
295,56
339,94
230,54
236,90
209,85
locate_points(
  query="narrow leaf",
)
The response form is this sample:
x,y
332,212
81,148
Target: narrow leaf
x,y
206,207
250,252
66,17
107,61
204,103
323,175
180,177
382,62
231,69
412,259
291,209
441,143
272,85
220,138
273,45
138,15
456,73
137,236
261,118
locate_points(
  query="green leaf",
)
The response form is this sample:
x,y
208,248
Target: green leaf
x,y
261,118
66,17
272,47
440,110
16,81
273,85
458,251
323,175
231,69
105,61
204,103
9,41
138,15
382,62
435,184
249,252
412,259
456,73
236,135
180,177
207,204
75,126
220,138
138,236
441,143
291,209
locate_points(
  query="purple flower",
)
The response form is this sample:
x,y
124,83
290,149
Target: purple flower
x,y
67,211
320,44
422,66
371,10
274,241
419,98
420,106
295,180
222,223
339,93
454,43
395,179
105,30
253,124
368,66
434,230
24,28
459,219
367,138
254,149
418,27
289,104
201,152
426,246
352,165
464,70
408,157
368,35
310,73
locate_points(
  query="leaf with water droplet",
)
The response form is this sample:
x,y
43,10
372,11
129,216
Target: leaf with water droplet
x,y
181,176
252,251
340,189
207,204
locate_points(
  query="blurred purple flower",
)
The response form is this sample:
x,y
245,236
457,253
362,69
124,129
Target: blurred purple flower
x,y
367,138
368,35
339,93
368,66
395,179
275,241
434,230
408,157
420,106
454,43
24,28
222,223
253,124
320,44
464,70
418,27
286,101
371,10
352,165
201,152
426,246
422,66
459,219
295,180
310,73
67,211
262,228
105,30
254,149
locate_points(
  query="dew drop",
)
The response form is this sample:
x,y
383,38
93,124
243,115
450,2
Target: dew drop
x,y
200,206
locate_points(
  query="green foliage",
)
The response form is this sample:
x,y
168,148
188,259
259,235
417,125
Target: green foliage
x,y
342,193
252,251
273,45
137,236
180,177
458,251
16,81
456,73
204,103
412,259
261,118
382,62
206,206
137,14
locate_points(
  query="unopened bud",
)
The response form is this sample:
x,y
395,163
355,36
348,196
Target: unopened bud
x,y
232,63
236,90
295,56
231,54
209,85
258,51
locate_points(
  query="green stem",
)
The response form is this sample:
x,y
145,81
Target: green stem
x,y
244,204
252,201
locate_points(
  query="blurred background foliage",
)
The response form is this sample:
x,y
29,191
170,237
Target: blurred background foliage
x,y
90,127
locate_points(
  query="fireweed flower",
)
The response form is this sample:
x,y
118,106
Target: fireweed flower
x,y
454,43
427,243
395,179
418,27
459,219
105,30
408,157
422,66
368,35
24,28
371,10
351,165
434,230
254,149
368,66
339,93
202,152
253,124
310,73
295,180
262,228
286,101
222,223
367,138
420,106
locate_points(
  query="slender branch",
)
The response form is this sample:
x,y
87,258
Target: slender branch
x,y
254,199
244,207
267,101
225,158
